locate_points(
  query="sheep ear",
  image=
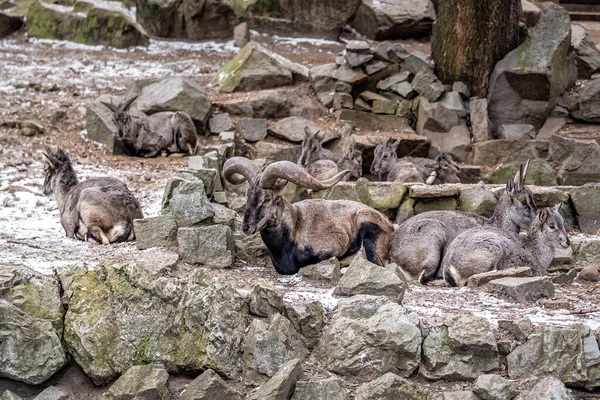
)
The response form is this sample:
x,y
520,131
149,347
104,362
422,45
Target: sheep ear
x,y
125,106
112,107
279,185
558,206
48,153
307,132
394,144
320,135
510,187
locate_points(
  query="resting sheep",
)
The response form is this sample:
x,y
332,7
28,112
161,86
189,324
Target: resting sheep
x,y
309,231
98,210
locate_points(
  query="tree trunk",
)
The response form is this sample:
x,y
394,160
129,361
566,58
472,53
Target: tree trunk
x,y
470,37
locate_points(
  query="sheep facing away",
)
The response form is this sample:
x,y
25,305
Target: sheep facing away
x,y
309,231
97,210
148,135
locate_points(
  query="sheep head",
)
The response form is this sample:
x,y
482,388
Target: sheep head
x,y
264,203
385,156
121,117
57,161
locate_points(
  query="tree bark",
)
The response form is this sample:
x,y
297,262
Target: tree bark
x,y
470,37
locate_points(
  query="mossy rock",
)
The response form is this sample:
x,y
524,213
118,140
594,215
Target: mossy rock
x,y
255,8
104,23
539,173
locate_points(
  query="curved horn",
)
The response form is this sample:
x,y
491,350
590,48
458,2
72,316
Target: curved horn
x,y
521,175
125,106
236,166
297,175
112,107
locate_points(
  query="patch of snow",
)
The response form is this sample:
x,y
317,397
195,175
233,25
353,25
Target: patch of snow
x,y
167,46
324,297
64,44
312,41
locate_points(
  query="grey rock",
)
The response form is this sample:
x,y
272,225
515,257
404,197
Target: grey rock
x,y
224,215
526,83
387,83
525,289
372,121
481,127
589,273
462,89
426,83
210,176
265,300
587,55
540,173
549,388
269,346
457,142
577,160
281,385
155,231
531,13
374,66
342,100
565,278
390,387
211,246
394,19
435,117
343,87
494,387
361,105
356,60
486,277
220,123
585,199
551,127
415,61
176,94
585,102
241,34
8,395
405,90
364,277
276,103
391,51
477,199
32,318
520,329
253,129
329,389
350,75
171,190
384,107
209,386
327,270
141,381
494,152
358,46
276,150
191,206
586,249
463,347
452,101
516,131
375,329
462,395
100,126
51,393
308,319
323,83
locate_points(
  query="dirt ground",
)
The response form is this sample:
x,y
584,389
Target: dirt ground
x,y
52,82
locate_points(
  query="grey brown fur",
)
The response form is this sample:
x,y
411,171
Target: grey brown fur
x,y
388,167
309,231
418,245
487,248
322,163
98,210
148,135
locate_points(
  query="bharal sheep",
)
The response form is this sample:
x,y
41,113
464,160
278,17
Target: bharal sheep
x,y
418,245
322,163
98,210
309,231
388,167
148,135
487,248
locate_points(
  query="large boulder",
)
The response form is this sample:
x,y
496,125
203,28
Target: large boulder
x,y
571,354
89,22
188,324
370,328
494,152
191,206
389,19
494,387
256,68
31,326
586,200
539,173
160,230
208,19
322,82
275,103
100,126
390,387
281,385
211,246
292,129
549,388
209,386
176,93
526,83
141,381
587,55
583,105
308,319
268,347
313,17
577,160
463,347
163,18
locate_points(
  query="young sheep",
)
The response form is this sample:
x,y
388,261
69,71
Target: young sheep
x,y
147,136
309,231
322,163
418,245
388,167
98,210
487,248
